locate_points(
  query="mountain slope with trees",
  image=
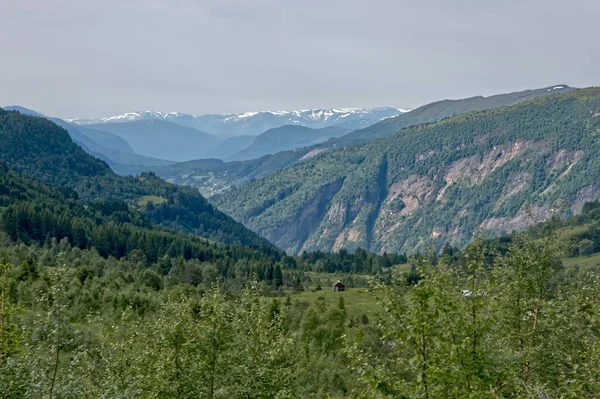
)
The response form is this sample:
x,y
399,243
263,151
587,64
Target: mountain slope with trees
x,y
433,183
97,300
40,149
112,149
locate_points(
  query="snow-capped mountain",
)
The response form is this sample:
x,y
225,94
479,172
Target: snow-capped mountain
x,y
254,123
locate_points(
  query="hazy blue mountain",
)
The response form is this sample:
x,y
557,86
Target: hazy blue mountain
x,y
105,139
161,139
287,138
229,147
255,123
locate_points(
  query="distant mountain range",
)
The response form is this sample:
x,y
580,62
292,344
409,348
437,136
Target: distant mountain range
x,y
255,123
133,142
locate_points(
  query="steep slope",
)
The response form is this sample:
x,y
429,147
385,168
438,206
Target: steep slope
x,y
445,109
433,183
286,138
40,149
161,139
255,123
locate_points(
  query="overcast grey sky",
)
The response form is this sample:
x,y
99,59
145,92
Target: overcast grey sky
x,y
94,58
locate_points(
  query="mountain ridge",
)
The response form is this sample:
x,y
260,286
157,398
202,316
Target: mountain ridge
x,y
438,110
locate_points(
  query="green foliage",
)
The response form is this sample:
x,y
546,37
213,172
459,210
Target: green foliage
x,y
476,323
519,329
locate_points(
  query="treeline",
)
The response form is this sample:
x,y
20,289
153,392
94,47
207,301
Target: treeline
x,y
358,262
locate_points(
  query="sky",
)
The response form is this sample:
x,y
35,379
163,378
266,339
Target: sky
x,y
82,58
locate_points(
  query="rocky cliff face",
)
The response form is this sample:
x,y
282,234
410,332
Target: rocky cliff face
x,y
495,170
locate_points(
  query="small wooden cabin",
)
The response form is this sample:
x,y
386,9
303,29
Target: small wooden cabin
x,y
339,286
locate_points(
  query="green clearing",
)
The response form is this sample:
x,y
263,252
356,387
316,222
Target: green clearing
x,y
570,231
584,262
358,301
146,199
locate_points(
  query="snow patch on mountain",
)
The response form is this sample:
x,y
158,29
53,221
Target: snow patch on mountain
x,y
259,121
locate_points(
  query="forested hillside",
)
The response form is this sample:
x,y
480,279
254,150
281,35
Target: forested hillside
x,y
495,170
41,150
